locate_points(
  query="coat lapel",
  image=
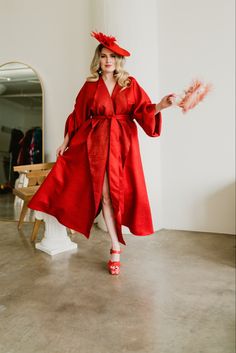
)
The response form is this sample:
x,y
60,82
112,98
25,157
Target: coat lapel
x,y
106,95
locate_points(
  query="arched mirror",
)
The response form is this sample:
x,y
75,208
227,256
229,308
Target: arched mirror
x,y
21,127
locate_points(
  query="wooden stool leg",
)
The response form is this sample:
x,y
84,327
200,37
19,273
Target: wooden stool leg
x,y
34,234
22,214
72,231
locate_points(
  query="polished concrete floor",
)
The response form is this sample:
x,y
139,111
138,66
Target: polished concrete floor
x,y
175,294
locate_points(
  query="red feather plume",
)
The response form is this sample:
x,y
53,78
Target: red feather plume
x,y
102,38
195,93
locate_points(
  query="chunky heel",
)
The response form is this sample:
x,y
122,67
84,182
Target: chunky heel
x,y
114,266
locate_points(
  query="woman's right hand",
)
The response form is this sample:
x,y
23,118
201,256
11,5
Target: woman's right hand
x,y
60,150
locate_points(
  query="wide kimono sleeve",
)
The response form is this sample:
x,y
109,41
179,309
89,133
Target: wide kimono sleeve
x,y
144,111
80,112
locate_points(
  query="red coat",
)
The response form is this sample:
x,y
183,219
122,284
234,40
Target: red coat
x,y
103,134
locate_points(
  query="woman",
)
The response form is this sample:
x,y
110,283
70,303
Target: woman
x,y
99,165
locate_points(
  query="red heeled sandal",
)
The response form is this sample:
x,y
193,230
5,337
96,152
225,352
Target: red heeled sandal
x,y
114,266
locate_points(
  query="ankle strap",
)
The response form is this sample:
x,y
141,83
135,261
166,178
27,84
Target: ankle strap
x,y
112,251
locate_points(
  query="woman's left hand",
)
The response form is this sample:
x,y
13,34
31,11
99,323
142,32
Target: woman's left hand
x,y
166,102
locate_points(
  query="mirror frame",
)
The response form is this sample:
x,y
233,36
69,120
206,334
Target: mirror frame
x,y
43,91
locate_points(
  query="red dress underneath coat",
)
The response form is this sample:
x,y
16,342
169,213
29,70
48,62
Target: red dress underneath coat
x,y
103,136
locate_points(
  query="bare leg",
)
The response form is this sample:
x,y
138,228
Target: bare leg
x,y
108,215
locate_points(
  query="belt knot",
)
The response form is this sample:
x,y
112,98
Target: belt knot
x,y
111,116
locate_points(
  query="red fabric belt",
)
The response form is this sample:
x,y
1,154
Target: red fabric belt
x,y
116,116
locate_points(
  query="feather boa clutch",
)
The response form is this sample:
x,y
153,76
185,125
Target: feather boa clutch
x,y
193,95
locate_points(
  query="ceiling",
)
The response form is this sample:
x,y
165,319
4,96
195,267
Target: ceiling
x,y
20,84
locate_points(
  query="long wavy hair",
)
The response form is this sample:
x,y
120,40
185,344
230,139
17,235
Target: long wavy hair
x,y
121,76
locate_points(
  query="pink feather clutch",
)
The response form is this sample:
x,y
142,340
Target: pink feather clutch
x,y
195,93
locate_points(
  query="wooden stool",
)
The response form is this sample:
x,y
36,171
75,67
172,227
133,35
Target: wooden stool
x,y
33,175
25,194
34,234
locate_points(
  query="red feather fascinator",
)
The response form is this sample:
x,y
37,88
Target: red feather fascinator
x,y
110,43
103,38
193,95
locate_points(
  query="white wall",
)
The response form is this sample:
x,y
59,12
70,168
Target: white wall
x,y
190,182
52,37
198,160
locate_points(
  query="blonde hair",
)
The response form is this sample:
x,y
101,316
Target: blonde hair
x,y
121,76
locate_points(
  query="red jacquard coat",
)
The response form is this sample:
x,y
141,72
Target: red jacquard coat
x,y
103,135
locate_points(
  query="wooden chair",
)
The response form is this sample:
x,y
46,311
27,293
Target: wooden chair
x,y
34,234
25,194
35,174
29,168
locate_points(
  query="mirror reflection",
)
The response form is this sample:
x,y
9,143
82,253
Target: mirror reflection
x,y
21,123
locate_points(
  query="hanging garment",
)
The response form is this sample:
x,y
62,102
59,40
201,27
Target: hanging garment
x,y
103,136
14,148
30,147
35,148
24,144
16,136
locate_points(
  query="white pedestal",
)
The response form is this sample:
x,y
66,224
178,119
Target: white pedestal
x,y
55,240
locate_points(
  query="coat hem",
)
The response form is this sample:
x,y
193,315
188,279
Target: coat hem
x,y
61,220
87,234
138,233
